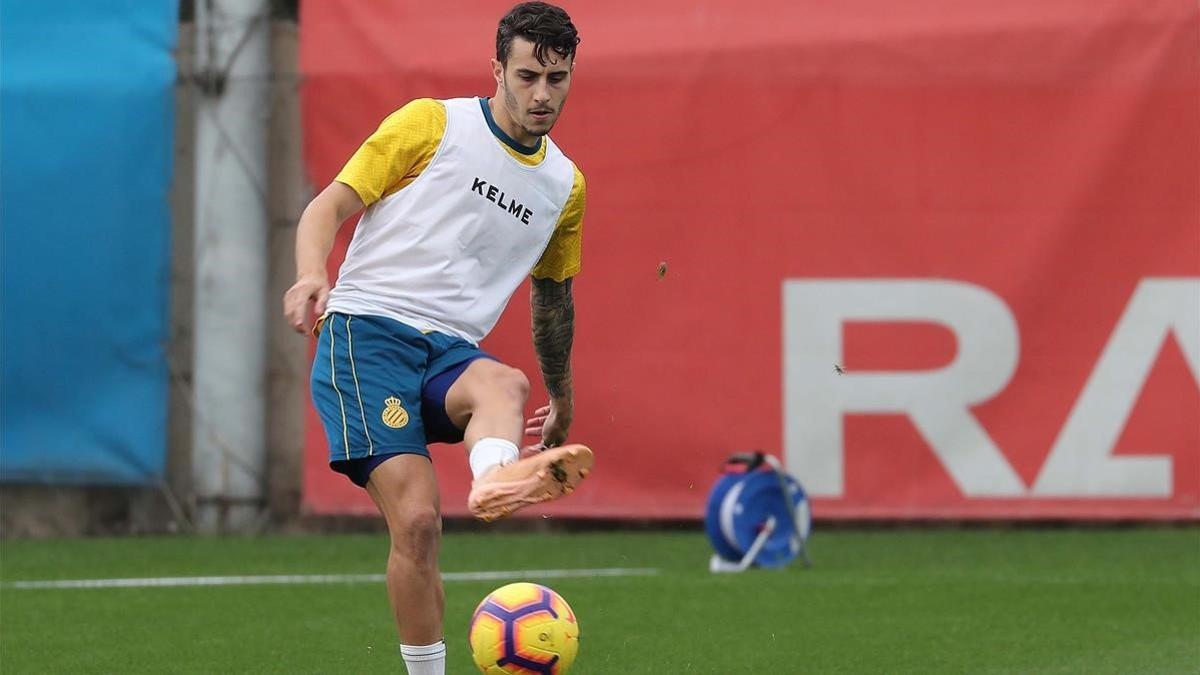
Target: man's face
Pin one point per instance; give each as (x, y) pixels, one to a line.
(534, 94)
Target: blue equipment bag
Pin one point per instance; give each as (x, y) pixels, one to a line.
(750, 521)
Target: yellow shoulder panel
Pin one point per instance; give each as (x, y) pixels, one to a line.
(562, 258)
(397, 152)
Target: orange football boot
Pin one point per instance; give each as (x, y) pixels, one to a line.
(549, 474)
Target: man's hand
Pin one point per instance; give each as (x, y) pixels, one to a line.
(551, 423)
(311, 290)
(314, 237)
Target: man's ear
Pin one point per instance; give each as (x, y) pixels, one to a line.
(498, 72)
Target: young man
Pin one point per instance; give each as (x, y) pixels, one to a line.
(463, 198)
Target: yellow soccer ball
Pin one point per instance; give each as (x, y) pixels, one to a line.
(524, 629)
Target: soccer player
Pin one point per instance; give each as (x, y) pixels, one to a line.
(464, 198)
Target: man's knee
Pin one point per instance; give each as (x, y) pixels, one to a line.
(415, 535)
(487, 385)
(508, 382)
(516, 384)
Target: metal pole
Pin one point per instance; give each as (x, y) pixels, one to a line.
(228, 434)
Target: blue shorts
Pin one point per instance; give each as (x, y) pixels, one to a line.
(380, 387)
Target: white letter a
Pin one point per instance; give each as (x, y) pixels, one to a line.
(1081, 462)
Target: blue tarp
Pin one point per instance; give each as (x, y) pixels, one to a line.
(86, 146)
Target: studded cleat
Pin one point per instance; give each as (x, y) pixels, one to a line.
(533, 479)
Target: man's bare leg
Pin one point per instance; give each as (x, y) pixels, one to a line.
(405, 490)
(487, 401)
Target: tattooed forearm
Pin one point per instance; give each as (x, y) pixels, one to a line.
(553, 332)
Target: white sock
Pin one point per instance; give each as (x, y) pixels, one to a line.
(426, 660)
(492, 452)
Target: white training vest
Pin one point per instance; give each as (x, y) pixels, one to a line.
(447, 251)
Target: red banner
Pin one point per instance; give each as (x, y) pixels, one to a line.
(943, 258)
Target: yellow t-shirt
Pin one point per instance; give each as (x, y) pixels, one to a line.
(405, 143)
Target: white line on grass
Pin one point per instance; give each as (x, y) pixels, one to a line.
(169, 582)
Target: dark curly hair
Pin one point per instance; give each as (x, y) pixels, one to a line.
(549, 28)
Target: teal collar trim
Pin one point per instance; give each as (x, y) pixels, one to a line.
(505, 138)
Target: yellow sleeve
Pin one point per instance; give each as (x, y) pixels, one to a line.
(561, 259)
(397, 152)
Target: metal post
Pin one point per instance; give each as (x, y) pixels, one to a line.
(228, 434)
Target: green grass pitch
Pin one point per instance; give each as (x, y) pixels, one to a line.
(886, 601)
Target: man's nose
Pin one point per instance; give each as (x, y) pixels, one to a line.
(541, 91)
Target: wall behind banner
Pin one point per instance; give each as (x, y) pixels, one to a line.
(86, 148)
(986, 215)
